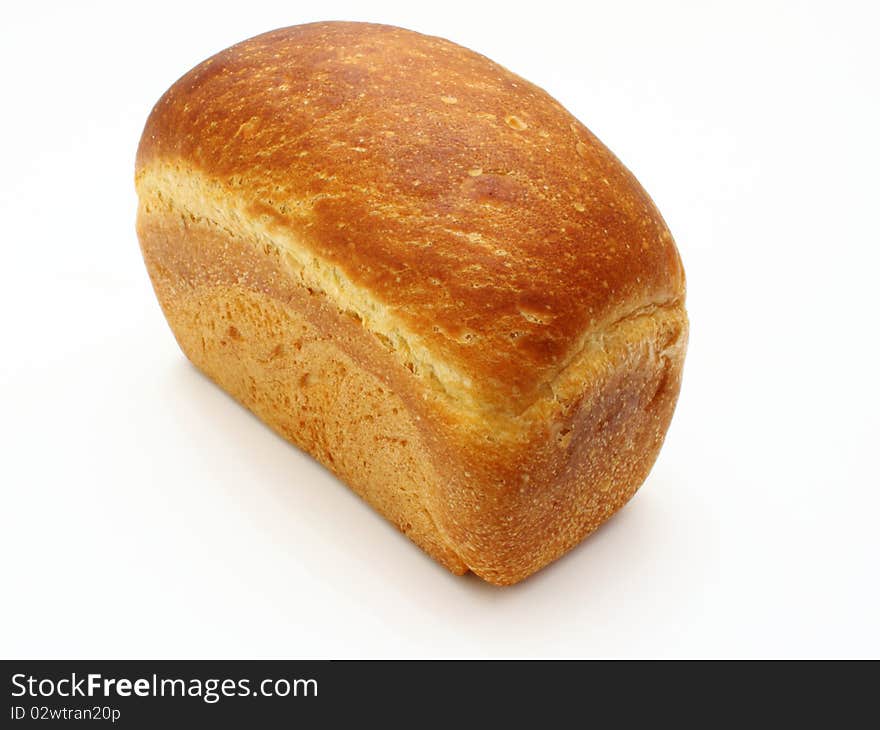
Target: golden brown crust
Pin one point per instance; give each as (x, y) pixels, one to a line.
(492, 223)
(509, 332)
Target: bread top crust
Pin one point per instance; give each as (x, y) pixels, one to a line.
(492, 225)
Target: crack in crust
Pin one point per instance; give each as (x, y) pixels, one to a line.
(192, 195)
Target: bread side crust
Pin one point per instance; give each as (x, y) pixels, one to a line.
(275, 349)
(501, 495)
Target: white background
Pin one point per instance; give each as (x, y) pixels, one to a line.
(145, 514)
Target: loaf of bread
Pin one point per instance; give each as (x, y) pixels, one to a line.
(423, 271)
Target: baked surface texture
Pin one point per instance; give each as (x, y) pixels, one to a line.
(425, 272)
